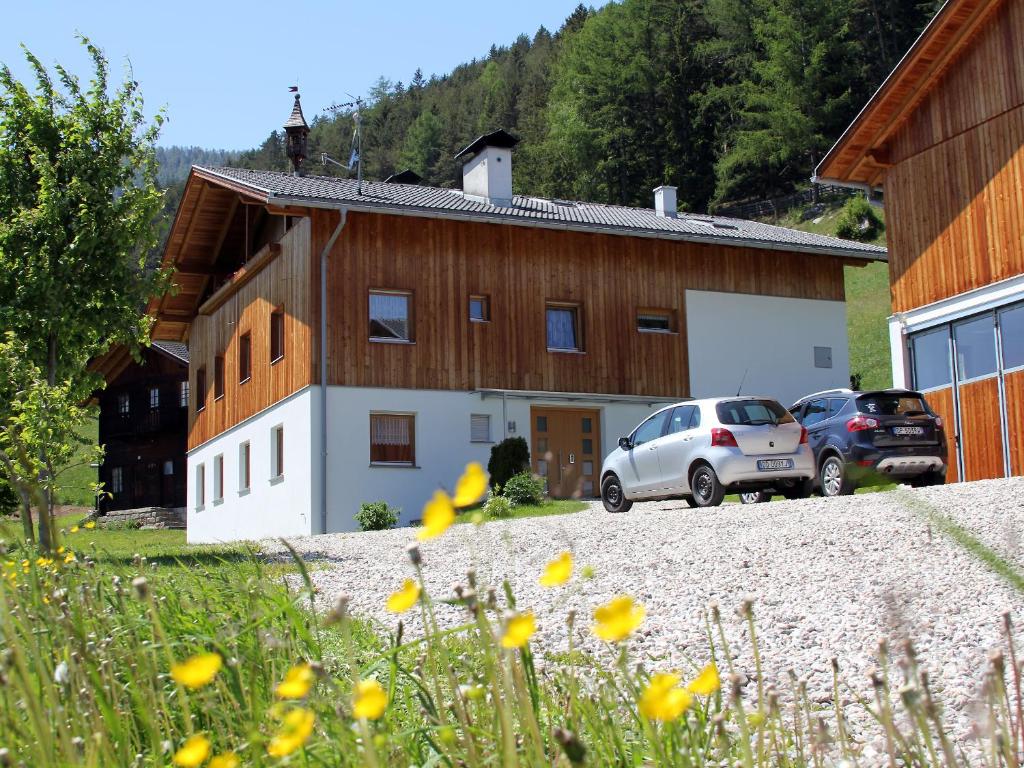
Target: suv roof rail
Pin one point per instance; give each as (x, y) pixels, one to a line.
(836, 391)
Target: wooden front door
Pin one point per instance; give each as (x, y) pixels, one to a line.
(566, 450)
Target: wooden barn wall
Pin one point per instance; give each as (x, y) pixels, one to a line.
(982, 83)
(955, 196)
(285, 283)
(956, 214)
(442, 262)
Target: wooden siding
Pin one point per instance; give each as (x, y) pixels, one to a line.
(956, 214)
(941, 401)
(981, 434)
(285, 282)
(1013, 384)
(443, 262)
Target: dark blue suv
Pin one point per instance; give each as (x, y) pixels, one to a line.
(859, 437)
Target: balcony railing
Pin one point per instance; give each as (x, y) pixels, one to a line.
(146, 422)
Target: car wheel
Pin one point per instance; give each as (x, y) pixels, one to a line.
(755, 497)
(833, 479)
(706, 487)
(797, 489)
(613, 497)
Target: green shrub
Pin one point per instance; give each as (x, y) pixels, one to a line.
(8, 499)
(508, 458)
(377, 516)
(497, 507)
(524, 489)
(858, 220)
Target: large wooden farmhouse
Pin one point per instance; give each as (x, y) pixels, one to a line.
(353, 343)
(944, 138)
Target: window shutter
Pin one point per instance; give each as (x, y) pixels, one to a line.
(480, 428)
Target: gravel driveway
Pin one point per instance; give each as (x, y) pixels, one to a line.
(830, 577)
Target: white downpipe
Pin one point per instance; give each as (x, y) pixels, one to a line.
(323, 366)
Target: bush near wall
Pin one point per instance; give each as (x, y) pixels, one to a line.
(508, 458)
(523, 489)
(377, 516)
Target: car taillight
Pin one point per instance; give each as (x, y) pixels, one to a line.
(723, 438)
(938, 422)
(803, 435)
(861, 423)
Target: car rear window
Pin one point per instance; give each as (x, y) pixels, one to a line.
(752, 412)
(892, 405)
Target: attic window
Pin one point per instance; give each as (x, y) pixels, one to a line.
(710, 223)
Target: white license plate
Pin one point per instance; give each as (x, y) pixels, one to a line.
(767, 465)
(908, 430)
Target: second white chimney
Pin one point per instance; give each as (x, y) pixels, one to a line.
(487, 169)
(665, 201)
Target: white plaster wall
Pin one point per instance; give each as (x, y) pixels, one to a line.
(443, 446)
(770, 338)
(489, 174)
(272, 507)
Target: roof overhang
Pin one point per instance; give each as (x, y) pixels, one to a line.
(860, 157)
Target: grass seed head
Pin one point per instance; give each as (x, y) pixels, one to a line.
(141, 587)
(415, 556)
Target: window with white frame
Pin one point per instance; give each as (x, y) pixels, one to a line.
(393, 438)
(123, 404)
(200, 486)
(244, 471)
(480, 428)
(183, 389)
(390, 316)
(563, 328)
(117, 480)
(277, 452)
(154, 398)
(169, 468)
(218, 477)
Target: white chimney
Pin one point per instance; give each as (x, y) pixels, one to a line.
(665, 201)
(487, 169)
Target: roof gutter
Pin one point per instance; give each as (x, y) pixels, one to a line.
(864, 187)
(324, 254)
(427, 213)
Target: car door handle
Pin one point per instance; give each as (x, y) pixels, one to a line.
(652, 448)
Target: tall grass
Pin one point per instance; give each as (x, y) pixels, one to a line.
(110, 661)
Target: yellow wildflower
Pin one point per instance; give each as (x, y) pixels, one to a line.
(518, 630)
(471, 486)
(438, 515)
(707, 682)
(74, 529)
(193, 752)
(296, 729)
(70, 557)
(405, 598)
(296, 683)
(663, 699)
(617, 619)
(227, 760)
(197, 671)
(60, 550)
(90, 525)
(369, 700)
(558, 571)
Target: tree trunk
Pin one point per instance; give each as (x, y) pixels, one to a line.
(26, 516)
(47, 540)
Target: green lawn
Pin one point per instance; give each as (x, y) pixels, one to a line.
(78, 476)
(545, 509)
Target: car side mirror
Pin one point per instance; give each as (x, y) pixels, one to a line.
(625, 444)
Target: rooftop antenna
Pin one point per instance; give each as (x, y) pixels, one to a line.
(356, 155)
(740, 387)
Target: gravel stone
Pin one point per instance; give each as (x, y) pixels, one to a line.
(830, 577)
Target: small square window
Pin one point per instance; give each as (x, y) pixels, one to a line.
(276, 335)
(823, 357)
(244, 474)
(587, 425)
(479, 309)
(244, 358)
(480, 428)
(183, 392)
(218, 377)
(393, 438)
(588, 467)
(169, 468)
(542, 468)
(656, 321)
(542, 423)
(123, 404)
(588, 446)
(390, 316)
(563, 328)
(542, 445)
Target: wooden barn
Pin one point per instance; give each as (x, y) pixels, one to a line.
(351, 342)
(944, 138)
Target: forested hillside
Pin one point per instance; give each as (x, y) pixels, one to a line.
(727, 99)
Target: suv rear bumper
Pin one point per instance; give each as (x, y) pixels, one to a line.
(909, 461)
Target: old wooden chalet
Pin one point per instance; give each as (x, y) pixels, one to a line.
(944, 138)
(350, 343)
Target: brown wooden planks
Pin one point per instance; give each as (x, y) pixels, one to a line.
(941, 401)
(442, 262)
(981, 433)
(284, 282)
(1014, 387)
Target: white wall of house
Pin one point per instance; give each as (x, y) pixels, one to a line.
(272, 506)
(443, 445)
(767, 342)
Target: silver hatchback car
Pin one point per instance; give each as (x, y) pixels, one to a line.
(700, 450)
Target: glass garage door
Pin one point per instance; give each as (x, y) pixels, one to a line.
(972, 373)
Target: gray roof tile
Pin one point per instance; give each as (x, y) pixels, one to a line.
(526, 210)
(174, 349)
